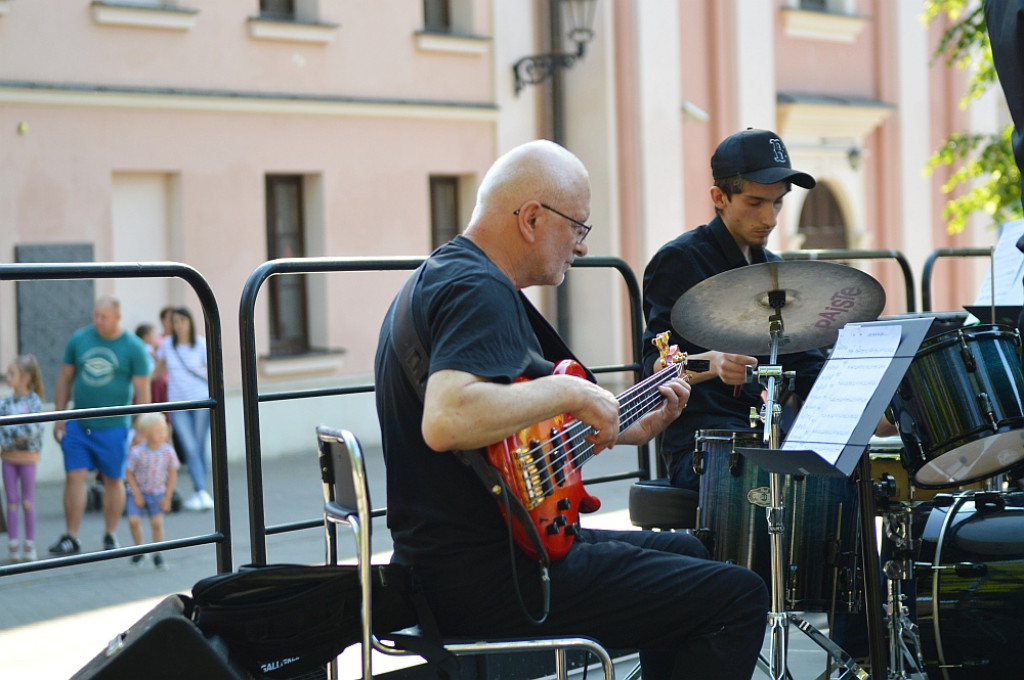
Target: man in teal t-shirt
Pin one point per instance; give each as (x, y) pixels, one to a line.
(103, 366)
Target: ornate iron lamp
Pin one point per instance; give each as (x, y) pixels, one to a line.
(537, 68)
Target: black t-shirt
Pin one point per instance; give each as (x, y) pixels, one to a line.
(678, 266)
(471, 318)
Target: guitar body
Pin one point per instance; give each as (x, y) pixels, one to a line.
(539, 467)
(540, 464)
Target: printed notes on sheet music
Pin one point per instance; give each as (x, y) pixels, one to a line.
(848, 380)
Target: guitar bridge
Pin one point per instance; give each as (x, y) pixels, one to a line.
(534, 473)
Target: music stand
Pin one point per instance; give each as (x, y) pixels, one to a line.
(802, 455)
(1003, 315)
(819, 451)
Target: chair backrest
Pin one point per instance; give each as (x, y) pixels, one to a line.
(344, 473)
(347, 500)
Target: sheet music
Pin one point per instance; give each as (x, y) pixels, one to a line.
(1006, 271)
(859, 360)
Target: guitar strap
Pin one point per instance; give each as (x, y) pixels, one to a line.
(415, 360)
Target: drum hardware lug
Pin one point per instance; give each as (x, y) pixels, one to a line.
(986, 406)
(755, 417)
(988, 501)
(735, 464)
(966, 354)
(698, 462)
(918, 443)
(942, 500)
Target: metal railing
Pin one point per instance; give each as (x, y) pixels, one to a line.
(221, 536)
(252, 398)
(929, 265)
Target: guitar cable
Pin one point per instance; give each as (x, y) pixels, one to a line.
(545, 579)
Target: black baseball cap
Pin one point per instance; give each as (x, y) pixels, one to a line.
(757, 155)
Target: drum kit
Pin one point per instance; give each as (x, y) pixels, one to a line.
(952, 554)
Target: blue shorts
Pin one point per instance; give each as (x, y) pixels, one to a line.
(105, 450)
(152, 504)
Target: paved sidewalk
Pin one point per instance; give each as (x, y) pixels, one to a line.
(53, 622)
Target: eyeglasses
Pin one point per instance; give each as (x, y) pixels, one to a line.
(581, 230)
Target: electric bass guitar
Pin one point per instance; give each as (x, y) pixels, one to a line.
(541, 464)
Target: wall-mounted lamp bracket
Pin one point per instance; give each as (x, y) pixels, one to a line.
(537, 68)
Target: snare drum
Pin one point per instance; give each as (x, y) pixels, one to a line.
(887, 456)
(820, 525)
(960, 407)
(970, 587)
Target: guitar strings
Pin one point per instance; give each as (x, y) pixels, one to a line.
(633, 404)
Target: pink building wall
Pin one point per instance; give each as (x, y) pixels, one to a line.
(373, 109)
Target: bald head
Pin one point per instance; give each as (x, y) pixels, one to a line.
(515, 222)
(540, 170)
(106, 317)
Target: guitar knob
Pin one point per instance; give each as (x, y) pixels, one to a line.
(551, 529)
(564, 504)
(572, 529)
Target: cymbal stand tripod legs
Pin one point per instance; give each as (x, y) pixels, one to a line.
(905, 659)
(778, 617)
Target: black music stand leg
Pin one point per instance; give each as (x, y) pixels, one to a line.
(872, 572)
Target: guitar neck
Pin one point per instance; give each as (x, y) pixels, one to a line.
(634, 404)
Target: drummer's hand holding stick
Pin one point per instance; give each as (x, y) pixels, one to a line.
(730, 368)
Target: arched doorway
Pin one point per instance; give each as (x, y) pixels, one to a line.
(822, 225)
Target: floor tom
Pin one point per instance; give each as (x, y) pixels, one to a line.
(820, 525)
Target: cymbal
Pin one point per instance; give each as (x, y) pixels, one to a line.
(730, 312)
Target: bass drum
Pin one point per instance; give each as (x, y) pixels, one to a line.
(970, 586)
(820, 525)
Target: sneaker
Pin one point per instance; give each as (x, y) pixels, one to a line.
(14, 550)
(206, 499)
(136, 560)
(110, 542)
(28, 553)
(66, 545)
(194, 504)
(159, 563)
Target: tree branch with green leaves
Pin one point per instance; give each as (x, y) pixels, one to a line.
(985, 177)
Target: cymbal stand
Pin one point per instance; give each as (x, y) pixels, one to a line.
(778, 624)
(778, 618)
(905, 658)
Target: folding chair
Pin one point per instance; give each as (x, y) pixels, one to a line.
(347, 501)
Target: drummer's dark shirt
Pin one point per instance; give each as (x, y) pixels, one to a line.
(679, 265)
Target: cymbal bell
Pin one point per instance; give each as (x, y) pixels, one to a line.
(731, 311)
